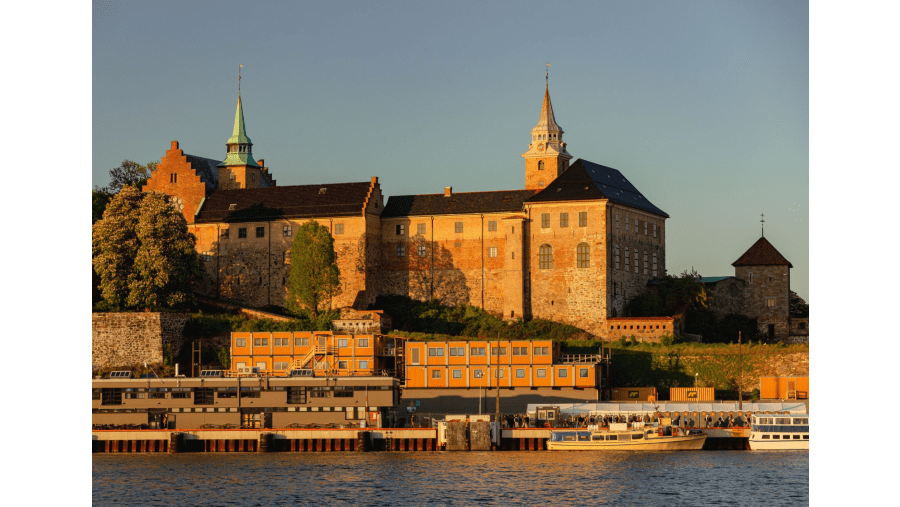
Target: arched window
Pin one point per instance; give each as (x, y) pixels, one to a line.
(545, 257)
(583, 251)
(540, 165)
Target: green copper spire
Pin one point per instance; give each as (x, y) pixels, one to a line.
(239, 145)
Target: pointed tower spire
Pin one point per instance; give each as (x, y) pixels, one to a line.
(240, 151)
(546, 157)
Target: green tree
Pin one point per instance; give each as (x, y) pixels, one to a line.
(99, 200)
(144, 254)
(315, 276)
(131, 173)
(799, 307)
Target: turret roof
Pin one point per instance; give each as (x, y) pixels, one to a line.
(547, 121)
(762, 253)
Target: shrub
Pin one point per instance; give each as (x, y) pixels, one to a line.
(754, 394)
(667, 340)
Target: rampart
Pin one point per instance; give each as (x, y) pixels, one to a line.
(132, 338)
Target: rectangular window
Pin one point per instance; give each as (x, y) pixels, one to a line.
(541, 373)
(261, 365)
(637, 260)
(362, 342)
(492, 225)
(645, 227)
(654, 230)
(401, 229)
(563, 373)
(240, 342)
(617, 256)
(492, 251)
(654, 266)
(457, 373)
(296, 395)
(520, 351)
(414, 355)
(545, 220)
(260, 342)
(342, 343)
(301, 342)
(520, 372)
(286, 230)
(420, 229)
(477, 373)
(260, 232)
(242, 232)
(223, 234)
(617, 220)
(421, 250)
(458, 227)
(181, 393)
(583, 372)
(582, 219)
(495, 351)
(280, 365)
(246, 392)
(338, 228)
(498, 373)
(476, 351)
(626, 223)
(627, 260)
(205, 256)
(111, 396)
(435, 352)
(770, 302)
(563, 219)
(542, 351)
(203, 396)
(457, 351)
(646, 262)
(342, 365)
(435, 373)
(282, 342)
(401, 251)
(363, 365)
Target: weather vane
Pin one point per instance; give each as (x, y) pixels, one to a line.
(762, 221)
(240, 66)
(547, 75)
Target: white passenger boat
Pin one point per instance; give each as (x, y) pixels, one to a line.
(779, 432)
(621, 437)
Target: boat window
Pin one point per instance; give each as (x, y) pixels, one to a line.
(596, 437)
(612, 437)
(805, 437)
(776, 437)
(782, 420)
(786, 437)
(569, 438)
(796, 437)
(637, 436)
(765, 437)
(583, 436)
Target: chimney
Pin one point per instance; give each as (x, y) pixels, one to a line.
(174, 145)
(448, 191)
(262, 162)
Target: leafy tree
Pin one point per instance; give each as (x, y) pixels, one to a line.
(685, 289)
(799, 307)
(315, 276)
(144, 254)
(646, 305)
(131, 173)
(99, 200)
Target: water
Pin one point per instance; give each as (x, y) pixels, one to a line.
(734, 478)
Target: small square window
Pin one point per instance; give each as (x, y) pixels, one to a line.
(563, 373)
(401, 251)
(457, 373)
(492, 225)
(435, 373)
(260, 232)
(492, 251)
(363, 365)
(363, 342)
(338, 228)
(770, 302)
(242, 232)
(420, 228)
(520, 372)
(286, 230)
(401, 229)
(477, 373)
(421, 250)
(458, 227)
(240, 342)
(541, 373)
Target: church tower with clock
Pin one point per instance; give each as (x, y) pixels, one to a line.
(546, 157)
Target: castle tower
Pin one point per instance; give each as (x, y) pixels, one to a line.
(239, 170)
(546, 157)
(768, 290)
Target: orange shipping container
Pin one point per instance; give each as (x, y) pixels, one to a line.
(632, 393)
(784, 388)
(692, 394)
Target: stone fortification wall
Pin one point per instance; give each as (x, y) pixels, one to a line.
(132, 338)
(644, 329)
(767, 297)
(633, 232)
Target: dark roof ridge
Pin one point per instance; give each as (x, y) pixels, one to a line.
(762, 253)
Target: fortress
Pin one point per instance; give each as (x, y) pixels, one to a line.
(574, 245)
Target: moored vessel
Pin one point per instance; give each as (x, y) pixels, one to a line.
(779, 432)
(627, 437)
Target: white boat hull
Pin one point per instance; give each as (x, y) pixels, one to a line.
(779, 445)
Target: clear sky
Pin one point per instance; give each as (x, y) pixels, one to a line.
(702, 105)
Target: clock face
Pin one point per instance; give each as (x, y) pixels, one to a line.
(177, 203)
(540, 147)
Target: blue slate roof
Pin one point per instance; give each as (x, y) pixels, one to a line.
(587, 180)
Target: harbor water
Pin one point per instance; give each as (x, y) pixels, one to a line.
(704, 478)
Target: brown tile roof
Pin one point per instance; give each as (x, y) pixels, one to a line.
(298, 201)
(587, 180)
(501, 201)
(762, 253)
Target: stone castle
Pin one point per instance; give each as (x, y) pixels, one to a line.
(574, 245)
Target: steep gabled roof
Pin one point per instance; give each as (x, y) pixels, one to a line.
(207, 169)
(762, 253)
(587, 180)
(459, 203)
(298, 201)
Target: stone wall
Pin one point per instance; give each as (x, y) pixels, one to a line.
(644, 329)
(767, 284)
(120, 339)
(727, 296)
(631, 231)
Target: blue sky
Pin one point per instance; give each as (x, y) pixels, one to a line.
(702, 105)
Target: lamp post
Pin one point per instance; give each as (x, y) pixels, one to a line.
(696, 379)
